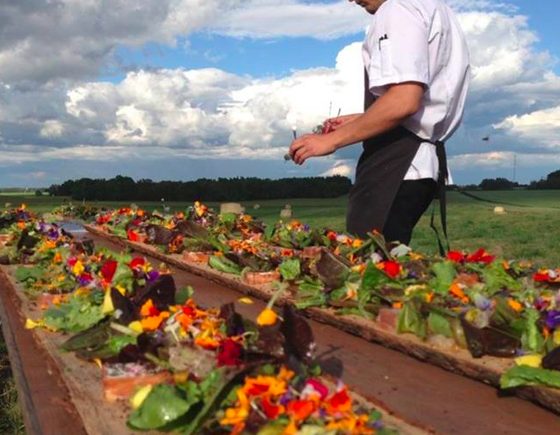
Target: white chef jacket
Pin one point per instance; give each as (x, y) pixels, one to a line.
(421, 41)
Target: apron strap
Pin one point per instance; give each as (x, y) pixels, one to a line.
(440, 192)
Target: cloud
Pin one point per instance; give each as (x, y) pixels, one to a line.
(49, 40)
(344, 168)
(52, 107)
(541, 127)
(292, 18)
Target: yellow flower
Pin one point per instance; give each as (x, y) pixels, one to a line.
(31, 324)
(529, 360)
(245, 300)
(357, 243)
(140, 396)
(267, 317)
(78, 268)
(136, 326)
(107, 306)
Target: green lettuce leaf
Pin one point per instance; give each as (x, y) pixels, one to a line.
(496, 278)
(532, 339)
(222, 264)
(444, 272)
(525, 375)
(290, 269)
(163, 406)
(438, 324)
(411, 320)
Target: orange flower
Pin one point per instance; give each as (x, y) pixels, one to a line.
(301, 409)
(458, 292)
(149, 309)
(267, 317)
(515, 305)
(153, 322)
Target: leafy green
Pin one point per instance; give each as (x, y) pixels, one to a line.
(311, 293)
(438, 324)
(496, 278)
(290, 269)
(163, 405)
(373, 279)
(532, 338)
(444, 275)
(525, 375)
(183, 294)
(411, 320)
(29, 274)
(223, 264)
(78, 314)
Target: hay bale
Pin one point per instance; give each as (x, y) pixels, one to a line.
(286, 213)
(231, 207)
(499, 210)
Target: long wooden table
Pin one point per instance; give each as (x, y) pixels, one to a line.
(61, 394)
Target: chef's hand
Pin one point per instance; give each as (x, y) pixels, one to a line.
(332, 124)
(311, 145)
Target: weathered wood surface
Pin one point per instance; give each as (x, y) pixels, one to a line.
(71, 401)
(486, 369)
(59, 393)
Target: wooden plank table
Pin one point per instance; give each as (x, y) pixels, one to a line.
(61, 394)
(419, 392)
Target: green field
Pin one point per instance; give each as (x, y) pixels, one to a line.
(530, 228)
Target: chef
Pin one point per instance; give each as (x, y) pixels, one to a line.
(416, 78)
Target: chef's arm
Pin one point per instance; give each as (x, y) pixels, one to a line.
(387, 112)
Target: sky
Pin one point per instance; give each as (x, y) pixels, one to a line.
(184, 89)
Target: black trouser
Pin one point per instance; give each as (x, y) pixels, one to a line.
(412, 200)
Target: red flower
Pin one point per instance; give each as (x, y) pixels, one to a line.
(137, 262)
(340, 402)
(541, 277)
(229, 353)
(133, 236)
(392, 268)
(108, 270)
(319, 387)
(456, 256)
(270, 409)
(257, 389)
(103, 219)
(188, 310)
(480, 256)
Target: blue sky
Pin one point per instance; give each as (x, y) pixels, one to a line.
(179, 90)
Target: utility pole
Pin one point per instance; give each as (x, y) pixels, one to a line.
(514, 166)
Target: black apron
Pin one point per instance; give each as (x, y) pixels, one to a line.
(381, 169)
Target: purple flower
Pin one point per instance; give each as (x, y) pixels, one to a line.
(152, 275)
(553, 319)
(481, 302)
(306, 227)
(378, 424)
(286, 398)
(84, 279)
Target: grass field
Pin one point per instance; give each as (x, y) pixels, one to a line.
(530, 228)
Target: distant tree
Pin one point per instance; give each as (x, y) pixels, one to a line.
(497, 184)
(38, 192)
(204, 189)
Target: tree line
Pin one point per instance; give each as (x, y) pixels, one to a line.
(552, 181)
(222, 189)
